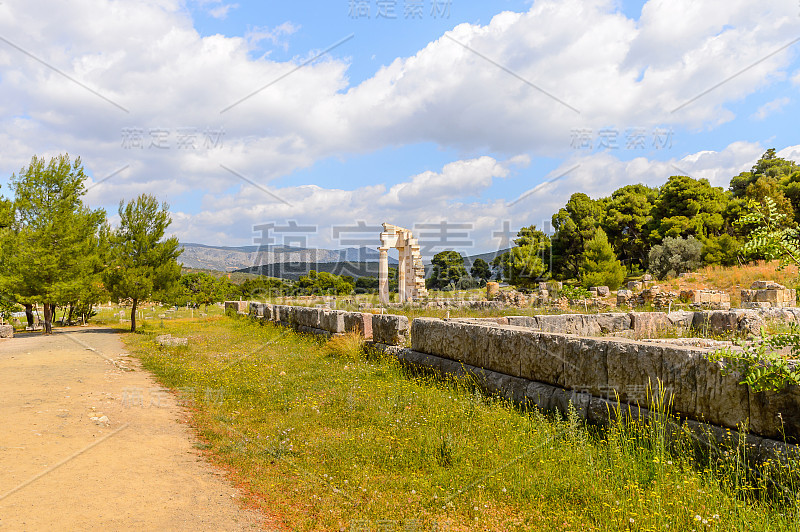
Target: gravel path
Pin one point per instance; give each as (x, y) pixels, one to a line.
(89, 441)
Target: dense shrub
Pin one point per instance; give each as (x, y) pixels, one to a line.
(675, 256)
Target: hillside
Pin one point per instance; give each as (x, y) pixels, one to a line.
(228, 259)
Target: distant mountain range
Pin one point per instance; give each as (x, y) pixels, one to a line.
(291, 262)
(228, 259)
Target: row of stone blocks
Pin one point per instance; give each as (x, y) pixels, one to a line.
(615, 368)
(386, 329)
(643, 324)
(598, 410)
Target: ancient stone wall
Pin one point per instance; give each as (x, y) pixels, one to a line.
(552, 362)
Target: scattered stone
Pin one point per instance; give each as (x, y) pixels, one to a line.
(602, 291)
(170, 341)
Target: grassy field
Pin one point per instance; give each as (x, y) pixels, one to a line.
(325, 437)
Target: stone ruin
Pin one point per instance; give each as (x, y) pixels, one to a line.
(766, 294)
(410, 270)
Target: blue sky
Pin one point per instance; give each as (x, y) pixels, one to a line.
(417, 116)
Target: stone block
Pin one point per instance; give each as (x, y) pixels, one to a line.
(542, 357)
(308, 317)
(721, 400)
(635, 285)
(6, 331)
(360, 323)
(646, 324)
(681, 318)
(390, 329)
(171, 341)
(333, 321)
(611, 322)
(775, 414)
(766, 285)
(633, 368)
(585, 367)
(602, 291)
(523, 321)
(540, 394)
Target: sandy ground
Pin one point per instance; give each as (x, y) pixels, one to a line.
(62, 470)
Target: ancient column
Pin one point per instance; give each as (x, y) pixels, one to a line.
(401, 275)
(383, 276)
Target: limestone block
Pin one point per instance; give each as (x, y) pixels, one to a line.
(679, 376)
(635, 285)
(648, 323)
(766, 285)
(309, 317)
(773, 414)
(236, 307)
(524, 321)
(580, 401)
(632, 367)
(267, 312)
(390, 329)
(333, 321)
(6, 331)
(610, 322)
(602, 291)
(501, 347)
(720, 398)
(681, 318)
(359, 322)
(585, 367)
(510, 388)
(542, 357)
(540, 395)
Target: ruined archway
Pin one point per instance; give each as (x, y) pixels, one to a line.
(410, 270)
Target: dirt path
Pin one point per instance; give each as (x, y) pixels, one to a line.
(62, 470)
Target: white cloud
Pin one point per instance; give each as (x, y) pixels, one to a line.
(148, 58)
(221, 12)
(274, 35)
(770, 108)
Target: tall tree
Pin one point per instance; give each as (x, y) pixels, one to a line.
(628, 212)
(54, 242)
(575, 225)
(480, 270)
(524, 264)
(688, 207)
(448, 268)
(142, 266)
(600, 266)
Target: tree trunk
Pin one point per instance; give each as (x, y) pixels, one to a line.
(133, 315)
(48, 318)
(29, 314)
(69, 316)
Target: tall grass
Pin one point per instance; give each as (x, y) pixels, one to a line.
(327, 437)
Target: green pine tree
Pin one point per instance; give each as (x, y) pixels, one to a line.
(142, 266)
(600, 266)
(51, 252)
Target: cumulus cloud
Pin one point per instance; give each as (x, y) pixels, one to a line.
(519, 84)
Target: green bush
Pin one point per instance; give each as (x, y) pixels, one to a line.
(675, 256)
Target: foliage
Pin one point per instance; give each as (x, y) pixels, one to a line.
(600, 266)
(52, 252)
(142, 266)
(627, 214)
(323, 283)
(523, 265)
(262, 288)
(773, 237)
(448, 268)
(575, 225)
(675, 255)
(723, 250)
(688, 207)
(575, 293)
(480, 270)
(759, 364)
